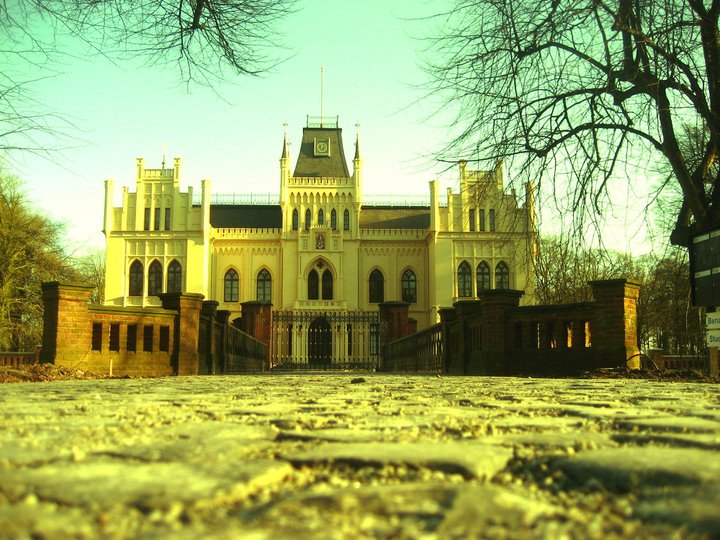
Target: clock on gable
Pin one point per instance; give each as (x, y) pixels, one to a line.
(322, 147)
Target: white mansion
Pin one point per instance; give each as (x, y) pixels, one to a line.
(323, 257)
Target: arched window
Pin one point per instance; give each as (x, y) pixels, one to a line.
(377, 287)
(346, 220)
(502, 276)
(327, 285)
(155, 278)
(409, 286)
(308, 219)
(136, 279)
(464, 277)
(333, 219)
(321, 217)
(232, 282)
(295, 220)
(174, 277)
(482, 276)
(313, 285)
(264, 286)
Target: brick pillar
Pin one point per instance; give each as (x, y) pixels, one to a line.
(613, 331)
(394, 321)
(187, 330)
(257, 321)
(447, 314)
(494, 358)
(67, 330)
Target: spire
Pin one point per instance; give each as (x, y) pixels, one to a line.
(285, 153)
(357, 141)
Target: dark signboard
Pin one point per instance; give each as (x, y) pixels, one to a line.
(705, 268)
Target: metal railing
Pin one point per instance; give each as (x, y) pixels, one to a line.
(422, 352)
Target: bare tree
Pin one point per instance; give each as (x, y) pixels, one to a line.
(91, 269)
(203, 36)
(209, 40)
(563, 270)
(31, 252)
(667, 320)
(577, 88)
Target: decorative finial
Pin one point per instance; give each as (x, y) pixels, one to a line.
(164, 149)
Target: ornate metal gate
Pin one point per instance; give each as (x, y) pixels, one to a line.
(325, 340)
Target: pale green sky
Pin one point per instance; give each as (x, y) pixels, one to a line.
(371, 51)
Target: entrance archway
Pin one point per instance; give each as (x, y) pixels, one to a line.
(319, 342)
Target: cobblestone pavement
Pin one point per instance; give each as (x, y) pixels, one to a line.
(349, 456)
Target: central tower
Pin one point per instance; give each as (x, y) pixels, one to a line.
(321, 202)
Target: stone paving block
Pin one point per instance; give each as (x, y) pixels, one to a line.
(105, 484)
(472, 460)
(682, 440)
(698, 506)
(196, 442)
(627, 468)
(683, 424)
(477, 509)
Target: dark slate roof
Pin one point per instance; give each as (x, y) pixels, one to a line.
(332, 166)
(392, 217)
(246, 216)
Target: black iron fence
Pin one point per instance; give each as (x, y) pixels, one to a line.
(312, 340)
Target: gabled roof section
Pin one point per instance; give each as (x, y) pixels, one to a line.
(392, 217)
(328, 166)
(246, 216)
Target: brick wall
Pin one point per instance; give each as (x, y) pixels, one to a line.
(495, 336)
(119, 340)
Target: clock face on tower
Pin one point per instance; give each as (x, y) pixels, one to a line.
(322, 147)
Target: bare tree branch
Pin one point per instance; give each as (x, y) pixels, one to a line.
(579, 85)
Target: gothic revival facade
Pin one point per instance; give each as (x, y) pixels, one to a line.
(323, 257)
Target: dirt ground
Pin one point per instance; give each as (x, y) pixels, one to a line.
(50, 372)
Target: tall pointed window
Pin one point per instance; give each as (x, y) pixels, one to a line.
(327, 285)
(264, 286)
(174, 277)
(492, 219)
(295, 220)
(346, 220)
(482, 276)
(321, 217)
(308, 219)
(464, 278)
(377, 287)
(136, 279)
(232, 284)
(502, 276)
(409, 286)
(313, 285)
(333, 219)
(471, 219)
(155, 278)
